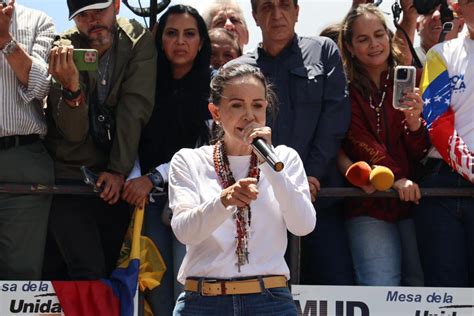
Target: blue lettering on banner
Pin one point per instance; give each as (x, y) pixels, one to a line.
(35, 286)
(342, 308)
(436, 298)
(7, 287)
(396, 297)
(429, 313)
(30, 286)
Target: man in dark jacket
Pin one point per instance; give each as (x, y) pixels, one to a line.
(95, 119)
(313, 116)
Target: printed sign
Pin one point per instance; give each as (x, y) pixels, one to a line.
(386, 301)
(28, 298)
(33, 298)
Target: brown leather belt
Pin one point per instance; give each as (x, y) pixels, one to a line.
(224, 287)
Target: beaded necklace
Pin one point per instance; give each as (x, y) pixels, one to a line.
(378, 108)
(243, 216)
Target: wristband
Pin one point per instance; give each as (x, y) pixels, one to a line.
(9, 48)
(69, 95)
(157, 180)
(72, 98)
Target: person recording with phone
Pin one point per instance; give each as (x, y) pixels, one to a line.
(26, 36)
(381, 231)
(429, 27)
(95, 119)
(232, 209)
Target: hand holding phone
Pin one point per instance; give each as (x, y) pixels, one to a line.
(403, 83)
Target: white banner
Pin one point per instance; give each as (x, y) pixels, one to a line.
(28, 298)
(382, 301)
(33, 298)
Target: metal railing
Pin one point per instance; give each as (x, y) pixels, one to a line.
(20, 188)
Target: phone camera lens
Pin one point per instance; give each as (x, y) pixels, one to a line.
(402, 74)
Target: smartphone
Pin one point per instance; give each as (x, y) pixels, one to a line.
(448, 27)
(90, 178)
(86, 59)
(405, 77)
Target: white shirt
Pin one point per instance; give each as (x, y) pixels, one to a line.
(21, 108)
(201, 221)
(457, 54)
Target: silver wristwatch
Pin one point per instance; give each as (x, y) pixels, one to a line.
(9, 48)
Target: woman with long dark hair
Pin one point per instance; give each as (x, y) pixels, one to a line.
(178, 121)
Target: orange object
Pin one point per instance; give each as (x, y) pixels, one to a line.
(381, 178)
(358, 174)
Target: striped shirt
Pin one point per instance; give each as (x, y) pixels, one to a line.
(21, 108)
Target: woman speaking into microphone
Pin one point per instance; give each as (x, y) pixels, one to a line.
(232, 210)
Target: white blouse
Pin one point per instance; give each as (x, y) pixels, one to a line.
(208, 229)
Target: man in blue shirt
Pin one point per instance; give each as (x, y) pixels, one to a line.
(313, 116)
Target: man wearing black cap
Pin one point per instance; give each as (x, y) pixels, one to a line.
(26, 36)
(95, 119)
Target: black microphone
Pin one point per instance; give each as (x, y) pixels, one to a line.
(266, 151)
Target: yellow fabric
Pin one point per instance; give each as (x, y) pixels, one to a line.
(147, 310)
(152, 266)
(434, 67)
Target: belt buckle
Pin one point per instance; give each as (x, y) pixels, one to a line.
(213, 281)
(202, 282)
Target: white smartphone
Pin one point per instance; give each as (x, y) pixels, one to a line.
(404, 81)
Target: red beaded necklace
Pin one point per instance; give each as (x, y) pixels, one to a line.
(243, 216)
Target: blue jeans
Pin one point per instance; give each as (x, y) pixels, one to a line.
(172, 251)
(445, 230)
(161, 298)
(325, 253)
(384, 253)
(277, 301)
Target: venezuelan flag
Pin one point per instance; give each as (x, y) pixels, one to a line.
(140, 264)
(435, 88)
(436, 92)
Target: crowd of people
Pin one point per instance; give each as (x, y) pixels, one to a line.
(176, 109)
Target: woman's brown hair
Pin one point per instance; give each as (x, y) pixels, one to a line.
(356, 73)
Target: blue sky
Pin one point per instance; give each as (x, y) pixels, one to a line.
(314, 14)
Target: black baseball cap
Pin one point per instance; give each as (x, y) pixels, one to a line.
(78, 6)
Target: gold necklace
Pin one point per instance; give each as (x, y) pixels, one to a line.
(378, 108)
